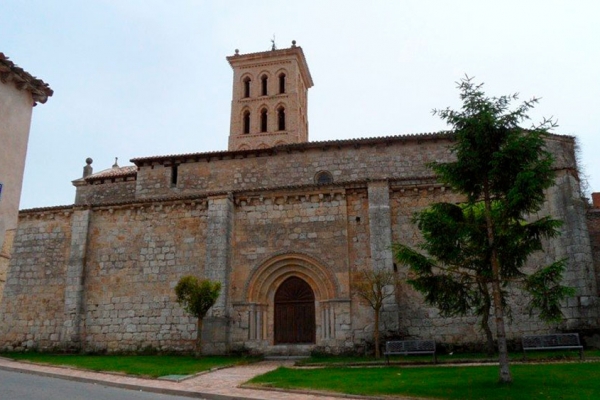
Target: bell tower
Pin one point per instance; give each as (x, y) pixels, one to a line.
(269, 102)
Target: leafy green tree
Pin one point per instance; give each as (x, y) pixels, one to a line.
(197, 297)
(477, 249)
(375, 286)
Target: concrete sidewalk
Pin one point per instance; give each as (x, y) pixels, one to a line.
(218, 385)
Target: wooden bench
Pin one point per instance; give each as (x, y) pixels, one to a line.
(406, 347)
(557, 341)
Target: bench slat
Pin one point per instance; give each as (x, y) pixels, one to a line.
(406, 347)
(557, 341)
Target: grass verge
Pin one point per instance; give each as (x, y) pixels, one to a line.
(149, 366)
(456, 358)
(531, 381)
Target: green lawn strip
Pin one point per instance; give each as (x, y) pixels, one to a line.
(540, 381)
(330, 360)
(152, 366)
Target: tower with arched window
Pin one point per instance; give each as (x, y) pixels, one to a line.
(269, 101)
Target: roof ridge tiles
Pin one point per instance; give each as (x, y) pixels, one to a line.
(297, 145)
(409, 136)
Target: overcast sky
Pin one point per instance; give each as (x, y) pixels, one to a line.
(136, 78)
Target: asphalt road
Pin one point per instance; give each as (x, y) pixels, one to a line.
(21, 386)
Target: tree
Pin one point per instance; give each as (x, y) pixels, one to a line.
(479, 248)
(456, 277)
(374, 287)
(197, 297)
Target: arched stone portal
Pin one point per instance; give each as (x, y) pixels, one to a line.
(274, 286)
(294, 312)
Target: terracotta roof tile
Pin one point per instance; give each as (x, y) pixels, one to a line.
(65, 208)
(115, 172)
(297, 146)
(443, 135)
(10, 72)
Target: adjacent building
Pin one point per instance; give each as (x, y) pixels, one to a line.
(19, 93)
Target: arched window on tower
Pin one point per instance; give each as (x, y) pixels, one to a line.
(263, 120)
(263, 83)
(282, 83)
(247, 87)
(246, 121)
(281, 119)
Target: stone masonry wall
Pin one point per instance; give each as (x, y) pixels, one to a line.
(296, 165)
(359, 255)
(394, 160)
(32, 308)
(312, 223)
(217, 267)
(417, 319)
(381, 243)
(75, 277)
(295, 168)
(104, 274)
(564, 202)
(135, 258)
(275, 224)
(105, 193)
(5, 251)
(593, 223)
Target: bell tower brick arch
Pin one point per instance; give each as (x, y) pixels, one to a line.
(274, 80)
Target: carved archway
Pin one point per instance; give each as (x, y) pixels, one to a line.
(262, 292)
(271, 273)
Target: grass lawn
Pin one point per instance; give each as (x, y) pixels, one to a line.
(329, 360)
(531, 381)
(151, 366)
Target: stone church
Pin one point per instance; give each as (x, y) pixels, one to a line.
(283, 223)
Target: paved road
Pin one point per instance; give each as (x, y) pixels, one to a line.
(215, 385)
(20, 386)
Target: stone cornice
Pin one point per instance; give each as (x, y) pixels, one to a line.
(280, 198)
(329, 190)
(295, 190)
(264, 64)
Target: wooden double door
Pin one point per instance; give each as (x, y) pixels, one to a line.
(294, 312)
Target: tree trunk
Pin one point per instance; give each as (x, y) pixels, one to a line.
(199, 339)
(485, 319)
(376, 333)
(505, 376)
(489, 338)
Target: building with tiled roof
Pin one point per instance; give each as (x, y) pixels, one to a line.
(19, 92)
(286, 225)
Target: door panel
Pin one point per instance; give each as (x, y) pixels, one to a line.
(294, 312)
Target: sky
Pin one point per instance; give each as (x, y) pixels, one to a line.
(136, 78)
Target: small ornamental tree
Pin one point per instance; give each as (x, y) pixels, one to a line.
(375, 286)
(197, 297)
(476, 250)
